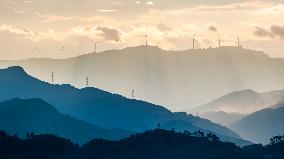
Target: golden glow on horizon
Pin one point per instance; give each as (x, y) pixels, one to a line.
(50, 24)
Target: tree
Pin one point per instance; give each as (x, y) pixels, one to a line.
(187, 132)
(276, 140)
(3, 134)
(15, 136)
(212, 137)
(199, 133)
(28, 135)
(158, 125)
(32, 135)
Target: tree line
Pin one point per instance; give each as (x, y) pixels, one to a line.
(152, 144)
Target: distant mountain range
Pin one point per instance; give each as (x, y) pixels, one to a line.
(98, 107)
(261, 125)
(242, 102)
(18, 116)
(179, 80)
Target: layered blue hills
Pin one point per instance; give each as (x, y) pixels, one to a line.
(22, 116)
(98, 107)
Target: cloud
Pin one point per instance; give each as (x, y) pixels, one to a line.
(260, 32)
(277, 30)
(109, 33)
(150, 3)
(212, 28)
(12, 45)
(15, 29)
(106, 10)
(164, 28)
(243, 6)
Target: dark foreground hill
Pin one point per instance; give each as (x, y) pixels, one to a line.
(154, 144)
(96, 106)
(20, 116)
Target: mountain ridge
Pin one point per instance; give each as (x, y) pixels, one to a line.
(152, 73)
(244, 102)
(98, 107)
(22, 116)
(258, 126)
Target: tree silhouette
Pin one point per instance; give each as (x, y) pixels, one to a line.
(199, 133)
(212, 137)
(171, 145)
(187, 133)
(3, 134)
(158, 125)
(32, 135)
(28, 136)
(276, 140)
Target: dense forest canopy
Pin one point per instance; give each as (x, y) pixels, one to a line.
(154, 144)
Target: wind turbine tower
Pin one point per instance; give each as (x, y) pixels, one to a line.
(87, 81)
(238, 42)
(62, 49)
(146, 40)
(96, 45)
(116, 43)
(193, 42)
(132, 93)
(52, 78)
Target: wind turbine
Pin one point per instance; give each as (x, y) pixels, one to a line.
(116, 43)
(193, 42)
(132, 93)
(238, 42)
(62, 49)
(87, 81)
(219, 42)
(95, 45)
(52, 78)
(146, 40)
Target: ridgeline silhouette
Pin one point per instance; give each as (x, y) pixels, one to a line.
(155, 144)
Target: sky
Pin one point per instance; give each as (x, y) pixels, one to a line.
(67, 28)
